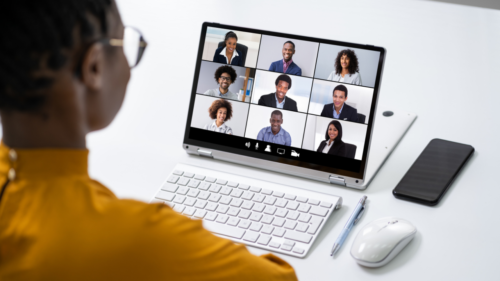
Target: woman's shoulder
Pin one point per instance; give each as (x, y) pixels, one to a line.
(218, 50)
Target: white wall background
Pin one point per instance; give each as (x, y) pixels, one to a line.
(352, 133)
(357, 97)
(215, 35)
(201, 116)
(265, 84)
(293, 123)
(367, 60)
(271, 50)
(206, 80)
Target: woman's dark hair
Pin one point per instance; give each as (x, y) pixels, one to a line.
(337, 125)
(353, 62)
(341, 88)
(230, 34)
(39, 33)
(285, 78)
(225, 69)
(212, 110)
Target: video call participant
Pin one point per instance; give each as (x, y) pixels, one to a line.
(278, 99)
(220, 111)
(228, 54)
(333, 143)
(346, 68)
(286, 65)
(224, 76)
(339, 109)
(274, 133)
(57, 223)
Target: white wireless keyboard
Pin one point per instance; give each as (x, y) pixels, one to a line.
(261, 214)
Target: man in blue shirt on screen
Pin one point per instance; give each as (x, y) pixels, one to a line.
(274, 133)
(286, 65)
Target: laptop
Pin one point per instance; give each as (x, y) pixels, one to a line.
(287, 103)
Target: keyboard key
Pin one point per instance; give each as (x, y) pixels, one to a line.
(267, 219)
(292, 215)
(211, 216)
(255, 216)
(264, 240)
(188, 175)
(222, 209)
(251, 236)
(170, 187)
(199, 177)
(304, 208)
(182, 190)
(189, 211)
(247, 195)
(304, 217)
(313, 202)
(210, 179)
(167, 196)
(214, 197)
(313, 227)
(274, 244)
(267, 229)
(226, 190)
(236, 202)
(244, 214)
(281, 212)
(221, 182)
(279, 232)
(320, 211)
(244, 224)
(290, 224)
(269, 200)
(173, 179)
(232, 184)
(301, 199)
(194, 183)
(183, 181)
(297, 236)
(286, 247)
(243, 186)
(204, 195)
(233, 221)
(281, 203)
(298, 250)
(278, 222)
(189, 202)
(325, 204)
(178, 172)
(179, 208)
(258, 208)
(255, 189)
(225, 200)
(233, 211)
(222, 218)
(211, 206)
(292, 205)
(236, 193)
(255, 226)
(200, 214)
(204, 186)
(267, 191)
(193, 192)
(290, 196)
(247, 205)
(179, 199)
(258, 198)
(215, 188)
(302, 227)
(200, 204)
(270, 210)
(224, 229)
(278, 194)
(289, 243)
(315, 220)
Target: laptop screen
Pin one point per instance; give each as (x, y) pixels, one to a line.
(286, 98)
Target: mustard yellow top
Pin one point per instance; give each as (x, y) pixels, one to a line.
(58, 224)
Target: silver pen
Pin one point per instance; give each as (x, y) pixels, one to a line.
(353, 219)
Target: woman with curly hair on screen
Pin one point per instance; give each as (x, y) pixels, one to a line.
(220, 111)
(346, 68)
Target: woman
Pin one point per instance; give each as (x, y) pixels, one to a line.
(221, 111)
(228, 53)
(346, 68)
(333, 143)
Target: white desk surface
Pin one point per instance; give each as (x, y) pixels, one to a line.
(443, 62)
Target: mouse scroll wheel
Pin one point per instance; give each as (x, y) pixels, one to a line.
(393, 222)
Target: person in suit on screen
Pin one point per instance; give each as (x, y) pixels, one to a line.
(228, 53)
(338, 109)
(224, 76)
(286, 65)
(278, 99)
(333, 143)
(346, 68)
(220, 111)
(275, 133)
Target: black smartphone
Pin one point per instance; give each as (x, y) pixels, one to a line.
(433, 172)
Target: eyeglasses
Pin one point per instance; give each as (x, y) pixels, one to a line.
(228, 79)
(133, 44)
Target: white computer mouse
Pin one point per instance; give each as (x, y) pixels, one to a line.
(378, 242)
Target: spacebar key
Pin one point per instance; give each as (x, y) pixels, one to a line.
(297, 236)
(222, 229)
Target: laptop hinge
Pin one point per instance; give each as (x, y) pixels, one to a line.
(337, 180)
(205, 153)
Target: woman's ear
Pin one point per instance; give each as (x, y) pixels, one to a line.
(93, 67)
